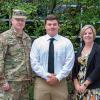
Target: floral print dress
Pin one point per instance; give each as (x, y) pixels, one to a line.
(81, 77)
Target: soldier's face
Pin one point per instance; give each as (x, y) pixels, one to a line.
(18, 23)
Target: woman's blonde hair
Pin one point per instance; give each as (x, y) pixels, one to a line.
(85, 28)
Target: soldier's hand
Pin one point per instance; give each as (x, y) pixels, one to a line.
(6, 87)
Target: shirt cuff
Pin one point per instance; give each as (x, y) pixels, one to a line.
(47, 74)
(59, 77)
(89, 79)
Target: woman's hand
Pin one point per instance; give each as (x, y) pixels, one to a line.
(85, 85)
(77, 86)
(83, 88)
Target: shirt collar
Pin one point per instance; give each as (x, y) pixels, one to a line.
(56, 37)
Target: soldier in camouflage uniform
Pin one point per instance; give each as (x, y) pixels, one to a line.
(15, 46)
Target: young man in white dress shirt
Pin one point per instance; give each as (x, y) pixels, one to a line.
(51, 85)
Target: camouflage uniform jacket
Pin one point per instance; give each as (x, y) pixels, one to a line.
(14, 56)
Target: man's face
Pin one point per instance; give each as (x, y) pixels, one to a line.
(52, 27)
(18, 23)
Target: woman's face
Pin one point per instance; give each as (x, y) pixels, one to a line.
(88, 36)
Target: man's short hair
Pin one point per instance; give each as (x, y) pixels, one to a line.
(51, 17)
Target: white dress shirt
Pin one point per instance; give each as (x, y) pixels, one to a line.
(63, 56)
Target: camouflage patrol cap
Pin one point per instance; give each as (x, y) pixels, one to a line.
(19, 14)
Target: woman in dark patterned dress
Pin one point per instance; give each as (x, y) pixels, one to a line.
(86, 71)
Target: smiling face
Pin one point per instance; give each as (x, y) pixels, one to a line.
(88, 33)
(88, 36)
(18, 23)
(52, 27)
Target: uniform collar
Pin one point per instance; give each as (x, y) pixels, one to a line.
(19, 35)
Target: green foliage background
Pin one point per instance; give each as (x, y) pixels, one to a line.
(73, 14)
